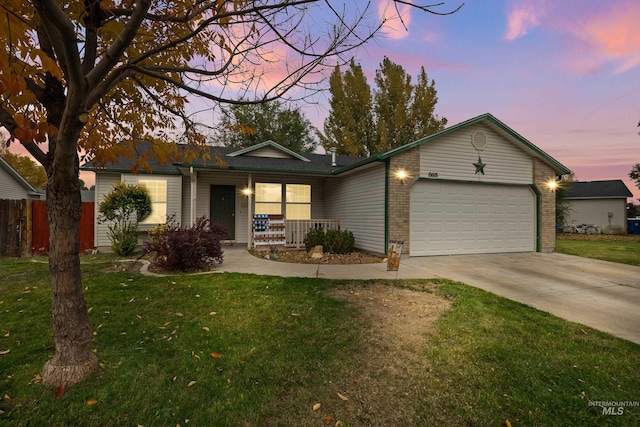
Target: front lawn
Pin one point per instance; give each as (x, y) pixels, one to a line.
(232, 349)
(624, 249)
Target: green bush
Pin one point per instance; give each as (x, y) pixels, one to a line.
(333, 241)
(339, 242)
(124, 239)
(123, 207)
(314, 237)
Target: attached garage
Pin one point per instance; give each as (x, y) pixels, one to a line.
(449, 218)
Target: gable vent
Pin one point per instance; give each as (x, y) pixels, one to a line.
(479, 140)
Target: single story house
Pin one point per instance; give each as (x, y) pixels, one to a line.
(13, 186)
(601, 203)
(476, 187)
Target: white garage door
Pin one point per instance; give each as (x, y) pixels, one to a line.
(464, 218)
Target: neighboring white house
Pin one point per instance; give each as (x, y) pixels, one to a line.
(476, 187)
(601, 203)
(13, 186)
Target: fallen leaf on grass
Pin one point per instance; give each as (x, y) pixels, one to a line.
(328, 420)
(1, 412)
(191, 384)
(343, 397)
(36, 379)
(317, 406)
(205, 328)
(179, 315)
(5, 352)
(216, 355)
(507, 423)
(60, 391)
(92, 402)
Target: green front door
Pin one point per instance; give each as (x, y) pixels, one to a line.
(223, 207)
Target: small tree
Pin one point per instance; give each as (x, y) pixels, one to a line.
(124, 206)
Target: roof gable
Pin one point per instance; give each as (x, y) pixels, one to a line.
(268, 149)
(498, 127)
(612, 189)
(16, 176)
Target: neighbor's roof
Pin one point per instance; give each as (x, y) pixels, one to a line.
(597, 190)
(19, 178)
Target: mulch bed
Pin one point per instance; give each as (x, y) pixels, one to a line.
(302, 257)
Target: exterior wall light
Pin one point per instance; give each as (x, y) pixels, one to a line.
(552, 185)
(401, 175)
(246, 191)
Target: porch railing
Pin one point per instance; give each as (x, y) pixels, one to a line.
(296, 229)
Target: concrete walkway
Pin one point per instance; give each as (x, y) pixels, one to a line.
(599, 294)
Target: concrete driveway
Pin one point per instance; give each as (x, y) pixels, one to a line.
(599, 294)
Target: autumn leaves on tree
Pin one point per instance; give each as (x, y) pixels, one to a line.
(97, 78)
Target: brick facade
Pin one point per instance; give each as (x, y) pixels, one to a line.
(399, 198)
(542, 174)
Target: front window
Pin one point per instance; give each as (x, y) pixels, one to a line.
(158, 192)
(268, 199)
(298, 201)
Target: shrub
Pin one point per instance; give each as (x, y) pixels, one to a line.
(333, 241)
(123, 238)
(123, 207)
(185, 249)
(314, 237)
(339, 241)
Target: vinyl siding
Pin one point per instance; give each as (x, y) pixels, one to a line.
(174, 194)
(9, 188)
(104, 184)
(596, 211)
(451, 157)
(357, 200)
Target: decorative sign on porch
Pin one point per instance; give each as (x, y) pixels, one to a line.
(268, 230)
(394, 254)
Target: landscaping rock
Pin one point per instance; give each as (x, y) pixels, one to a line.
(316, 252)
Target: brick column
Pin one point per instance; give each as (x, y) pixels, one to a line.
(542, 174)
(399, 194)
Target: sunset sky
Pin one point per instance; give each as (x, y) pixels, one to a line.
(565, 74)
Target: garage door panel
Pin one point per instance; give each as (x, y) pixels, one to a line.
(464, 218)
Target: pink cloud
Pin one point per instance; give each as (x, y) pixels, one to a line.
(612, 34)
(594, 36)
(394, 15)
(523, 17)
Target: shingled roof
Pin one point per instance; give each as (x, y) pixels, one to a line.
(613, 189)
(243, 160)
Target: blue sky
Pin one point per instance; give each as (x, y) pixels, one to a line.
(565, 74)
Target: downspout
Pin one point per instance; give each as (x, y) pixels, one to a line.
(194, 188)
(249, 211)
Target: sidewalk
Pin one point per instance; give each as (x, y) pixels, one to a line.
(238, 260)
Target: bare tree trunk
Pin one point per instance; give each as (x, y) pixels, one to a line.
(72, 330)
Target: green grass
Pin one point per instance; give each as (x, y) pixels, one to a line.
(284, 343)
(622, 249)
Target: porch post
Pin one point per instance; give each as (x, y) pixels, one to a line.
(249, 211)
(194, 186)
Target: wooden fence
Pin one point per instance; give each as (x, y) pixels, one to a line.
(24, 229)
(14, 233)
